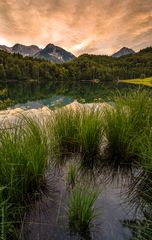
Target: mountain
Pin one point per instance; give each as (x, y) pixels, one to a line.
(25, 50)
(50, 52)
(21, 49)
(54, 54)
(147, 50)
(123, 52)
(85, 67)
(5, 48)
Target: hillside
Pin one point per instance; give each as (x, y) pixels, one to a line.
(85, 67)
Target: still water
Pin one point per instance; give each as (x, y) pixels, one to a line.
(47, 218)
(29, 95)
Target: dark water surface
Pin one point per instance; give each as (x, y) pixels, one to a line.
(48, 220)
(55, 94)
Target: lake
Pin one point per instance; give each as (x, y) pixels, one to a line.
(47, 218)
(29, 95)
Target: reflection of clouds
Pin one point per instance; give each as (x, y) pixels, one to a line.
(57, 101)
(93, 26)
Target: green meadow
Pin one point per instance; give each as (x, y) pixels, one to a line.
(139, 81)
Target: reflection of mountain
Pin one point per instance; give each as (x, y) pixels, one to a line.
(29, 95)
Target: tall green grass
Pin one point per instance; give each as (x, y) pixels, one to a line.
(78, 131)
(124, 124)
(72, 175)
(23, 161)
(81, 211)
(90, 133)
(141, 191)
(125, 131)
(65, 125)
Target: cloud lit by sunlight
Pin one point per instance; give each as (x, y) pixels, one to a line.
(92, 26)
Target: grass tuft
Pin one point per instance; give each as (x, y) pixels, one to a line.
(23, 161)
(90, 135)
(81, 211)
(72, 175)
(124, 124)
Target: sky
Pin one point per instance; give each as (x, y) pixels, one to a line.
(79, 26)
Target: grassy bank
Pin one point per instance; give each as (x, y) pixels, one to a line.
(144, 81)
(23, 161)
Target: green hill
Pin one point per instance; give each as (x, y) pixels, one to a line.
(85, 67)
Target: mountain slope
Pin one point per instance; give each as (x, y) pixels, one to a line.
(25, 50)
(123, 52)
(50, 52)
(5, 48)
(54, 54)
(86, 67)
(21, 49)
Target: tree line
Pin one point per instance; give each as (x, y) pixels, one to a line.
(85, 67)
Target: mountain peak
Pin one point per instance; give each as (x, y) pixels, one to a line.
(123, 52)
(5, 48)
(50, 45)
(25, 50)
(50, 52)
(55, 54)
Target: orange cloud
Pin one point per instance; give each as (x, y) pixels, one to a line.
(93, 26)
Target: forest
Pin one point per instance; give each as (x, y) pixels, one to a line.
(14, 67)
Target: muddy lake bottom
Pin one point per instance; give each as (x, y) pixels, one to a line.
(47, 217)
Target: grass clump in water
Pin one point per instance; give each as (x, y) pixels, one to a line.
(72, 175)
(81, 211)
(141, 191)
(78, 131)
(65, 126)
(90, 135)
(124, 124)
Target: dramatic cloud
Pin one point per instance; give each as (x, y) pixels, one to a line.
(93, 26)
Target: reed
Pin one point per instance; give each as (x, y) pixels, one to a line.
(64, 126)
(72, 175)
(124, 124)
(90, 135)
(23, 161)
(81, 211)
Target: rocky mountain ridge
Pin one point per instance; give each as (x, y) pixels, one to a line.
(123, 52)
(50, 52)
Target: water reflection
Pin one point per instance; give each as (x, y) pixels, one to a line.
(54, 94)
(49, 220)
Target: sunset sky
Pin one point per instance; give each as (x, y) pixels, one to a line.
(90, 26)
